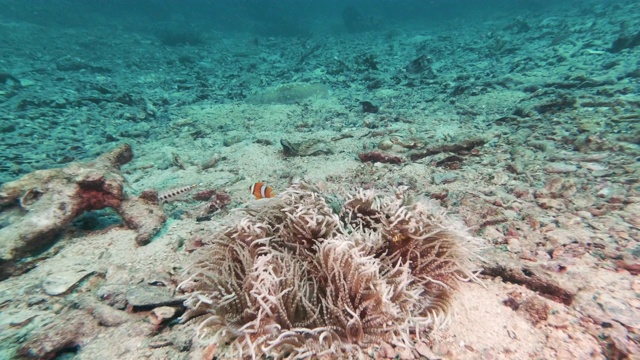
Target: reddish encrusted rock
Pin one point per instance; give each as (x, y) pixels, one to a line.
(219, 201)
(41, 204)
(534, 309)
(204, 195)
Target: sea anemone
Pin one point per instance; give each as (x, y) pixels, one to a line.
(289, 277)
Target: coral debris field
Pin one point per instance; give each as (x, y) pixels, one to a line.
(520, 122)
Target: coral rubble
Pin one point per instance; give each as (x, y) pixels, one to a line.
(39, 205)
(376, 156)
(291, 277)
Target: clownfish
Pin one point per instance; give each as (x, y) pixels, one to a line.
(261, 190)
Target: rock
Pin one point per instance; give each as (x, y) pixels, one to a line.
(425, 351)
(547, 203)
(108, 316)
(513, 245)
(516, 167)
(74, 329)
(564, 354)
(144, 296)
(534, 309)
(584, 214)
(385, 144)
(159, 343)
(444, 178)
(444, 350)
(521, 193)
(605, 192)
(20, 318)
(232, 140)
(113, 295)
(595, 167)
(619, 310)
(47, 201)
(161, 314)
(560, 168)
(312, 147)
(499, 178)
(635, 285)
(404, 353)
(559, 321)
(621, 339)
(386, 351)
(143, 216)
(563, 237)
(62, 282)
(582, 200)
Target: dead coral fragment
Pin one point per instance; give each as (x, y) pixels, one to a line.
(375, 156)
(461, 147)
(289, 277)
(312, 147)
(40, 204)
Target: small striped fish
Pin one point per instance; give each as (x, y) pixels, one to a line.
(169, 195)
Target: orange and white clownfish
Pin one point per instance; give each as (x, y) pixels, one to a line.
(261, 190)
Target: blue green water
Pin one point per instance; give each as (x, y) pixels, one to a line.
(520, 116)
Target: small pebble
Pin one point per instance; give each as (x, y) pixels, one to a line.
(424, 350)
(64, 281)
(584, 214)
(500, 178)
(564, 354)
(560, 168)
(108, 316)
(386, 351)
(605, 192)
(593, 166)
(547, 203)
(57, 307)
(404, 354)
(444, 178)
(513, 245)
(161, 314)
(558, 321)
(385, 144)
(635, 285)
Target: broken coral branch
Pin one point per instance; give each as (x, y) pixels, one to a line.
(456, 148)
(378, 157)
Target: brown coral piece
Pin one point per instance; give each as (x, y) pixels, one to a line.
(379, 157)
(633, 268)
(524, 276)
(534, 309)
(41, 204)
(204, 195)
